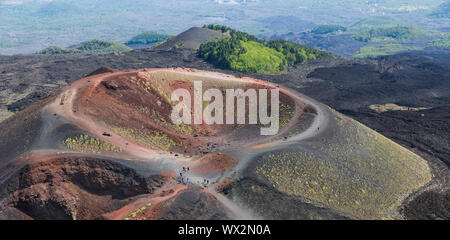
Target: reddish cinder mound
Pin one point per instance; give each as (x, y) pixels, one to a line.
(213, 163)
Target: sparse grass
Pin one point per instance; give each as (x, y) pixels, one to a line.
(356, 171)
(156, 84)
(87, 144)
(153, 139)
(286, 113)
(137, 211)
(161, 121)
(394, 107)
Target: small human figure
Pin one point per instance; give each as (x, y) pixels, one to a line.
(188, 169)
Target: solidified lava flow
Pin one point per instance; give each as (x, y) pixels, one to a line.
(105, 147)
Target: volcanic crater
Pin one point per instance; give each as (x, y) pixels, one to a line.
(105, 147)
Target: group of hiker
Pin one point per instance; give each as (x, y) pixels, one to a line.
(184, 179)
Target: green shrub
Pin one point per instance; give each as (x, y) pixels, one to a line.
(92, 46)
(57, 50)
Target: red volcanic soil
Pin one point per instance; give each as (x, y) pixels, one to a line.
(213, 163)
(151, 212)
(73, 186)
(134, 108)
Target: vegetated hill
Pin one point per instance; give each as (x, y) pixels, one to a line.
(398, 34)
(330, 28)
(92, 46)
(190, 39)
(441, 42)
(148, 38)
(377, 21)
(245, 53)
(443, 11)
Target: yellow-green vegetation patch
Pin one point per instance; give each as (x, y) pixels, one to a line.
(141, 209)
(394, 107)
(259, 58)
(154, 84)
(152, 139)
(87, 144)
(356, 171)
(304, 122)
(286, 113)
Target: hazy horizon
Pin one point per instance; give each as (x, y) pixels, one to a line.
(30, 25)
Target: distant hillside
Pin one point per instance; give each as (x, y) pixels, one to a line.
(287, 24)
(443, 11)
(383, 50)
(148, 38)
(399, 34)
(245, 53)
(92, 46)
(190, 39)
(376, 21)
(325, 29)
(441, 42)
(55, 9)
